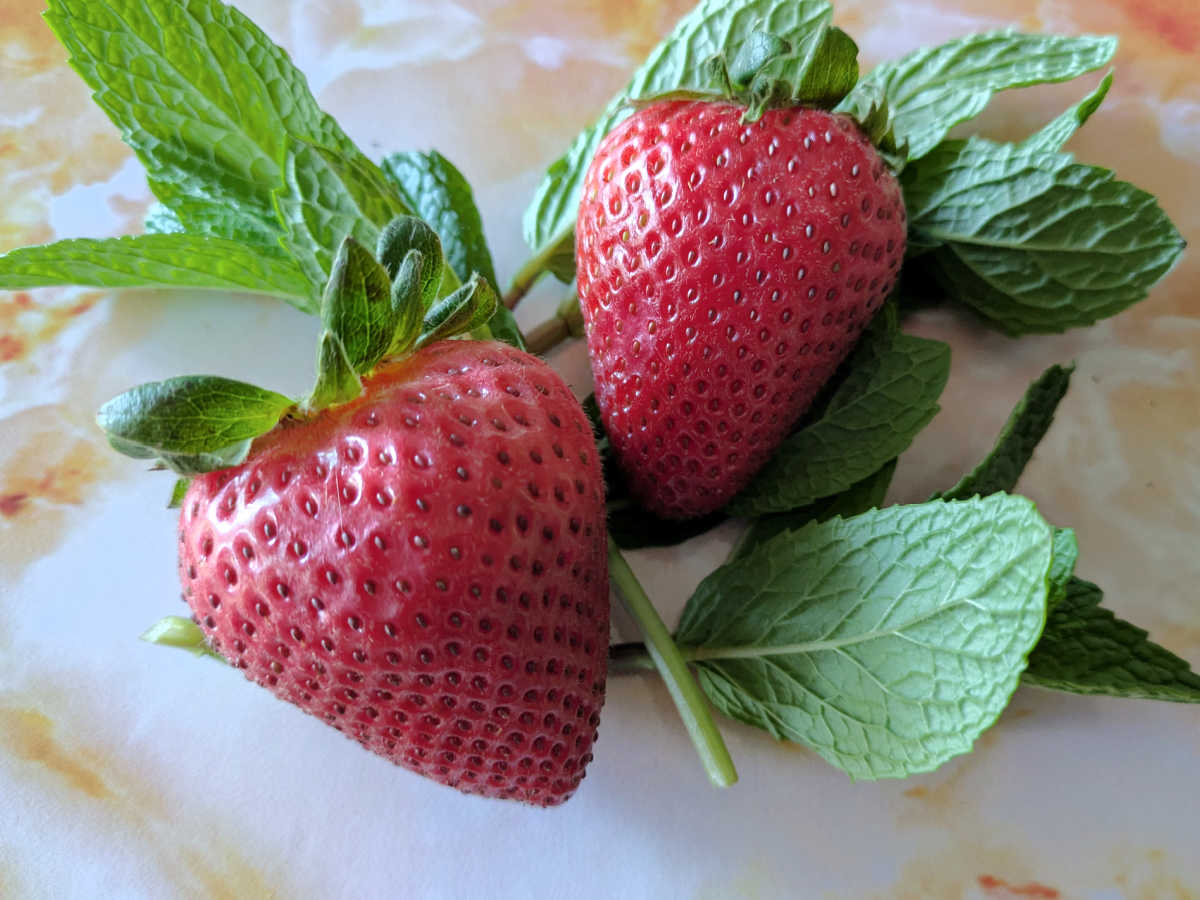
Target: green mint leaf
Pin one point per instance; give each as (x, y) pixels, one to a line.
(1031, 240)
(178, 492)
(857, 438)
(437, 192)
(1065, 554)
(466, 309)
(1055, 134)
(337, 382)
(820, 71)
(357, 307)
(887, 642)
(176, 631)
(205, 99)
(1085, 649)
(406, 233)
(931, 90)
(678, 65)
(193, 423)
(156, 261)
(865, 495)
(1024, 430)
(329, 194)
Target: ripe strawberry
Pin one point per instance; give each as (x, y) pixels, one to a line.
(725, 270)
(423, 567)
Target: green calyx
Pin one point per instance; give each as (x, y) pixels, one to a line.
(374, 308)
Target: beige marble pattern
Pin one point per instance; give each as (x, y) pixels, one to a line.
(128, 771)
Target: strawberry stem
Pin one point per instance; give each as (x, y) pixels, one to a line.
(692, 706)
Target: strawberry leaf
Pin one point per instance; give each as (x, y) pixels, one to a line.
(818, 72)
(1085, 649)
(407, 233)
(466, 309)
(1024, 430)
(357, 306)
(437, 192)
(680, 65)
(408, 307)
(157, 261)
(857, 437)
(205, 99)
(337, 382)
(1031, 240)
(931, 90)
(176, 631)
(865, 495)
(192, 424)
(887, 642)
(178, 492)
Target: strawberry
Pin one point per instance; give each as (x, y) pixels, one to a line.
(423, 568)
(725, 269)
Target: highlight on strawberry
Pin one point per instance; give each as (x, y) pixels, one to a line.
(420, 550)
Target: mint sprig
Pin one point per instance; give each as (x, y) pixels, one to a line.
(887, 642)
(929, 91)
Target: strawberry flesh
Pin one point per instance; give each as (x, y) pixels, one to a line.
(725, 270)
(424, 568)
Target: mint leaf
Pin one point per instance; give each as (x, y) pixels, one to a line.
(357, 307)
(887, 642)
(857, 499)
(1031, 240)
(193, 423)
(1055, 134)
(678, 65)
(931, 90)
(1024, 430)
(337, 382)
(408, 304)
(467, 308)
(855, 439)
(329, 194)
(1065, 554)
(156, 261)
(205, 99)
(437, 192)
(1085, 649)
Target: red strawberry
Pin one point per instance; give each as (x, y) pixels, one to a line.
(424, 568)
(725, 270)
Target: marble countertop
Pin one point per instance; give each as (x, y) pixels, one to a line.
(130, 771)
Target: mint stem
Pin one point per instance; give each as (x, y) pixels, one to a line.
(629, 658)
(533, 269)
(567, 323)
(692, 706)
